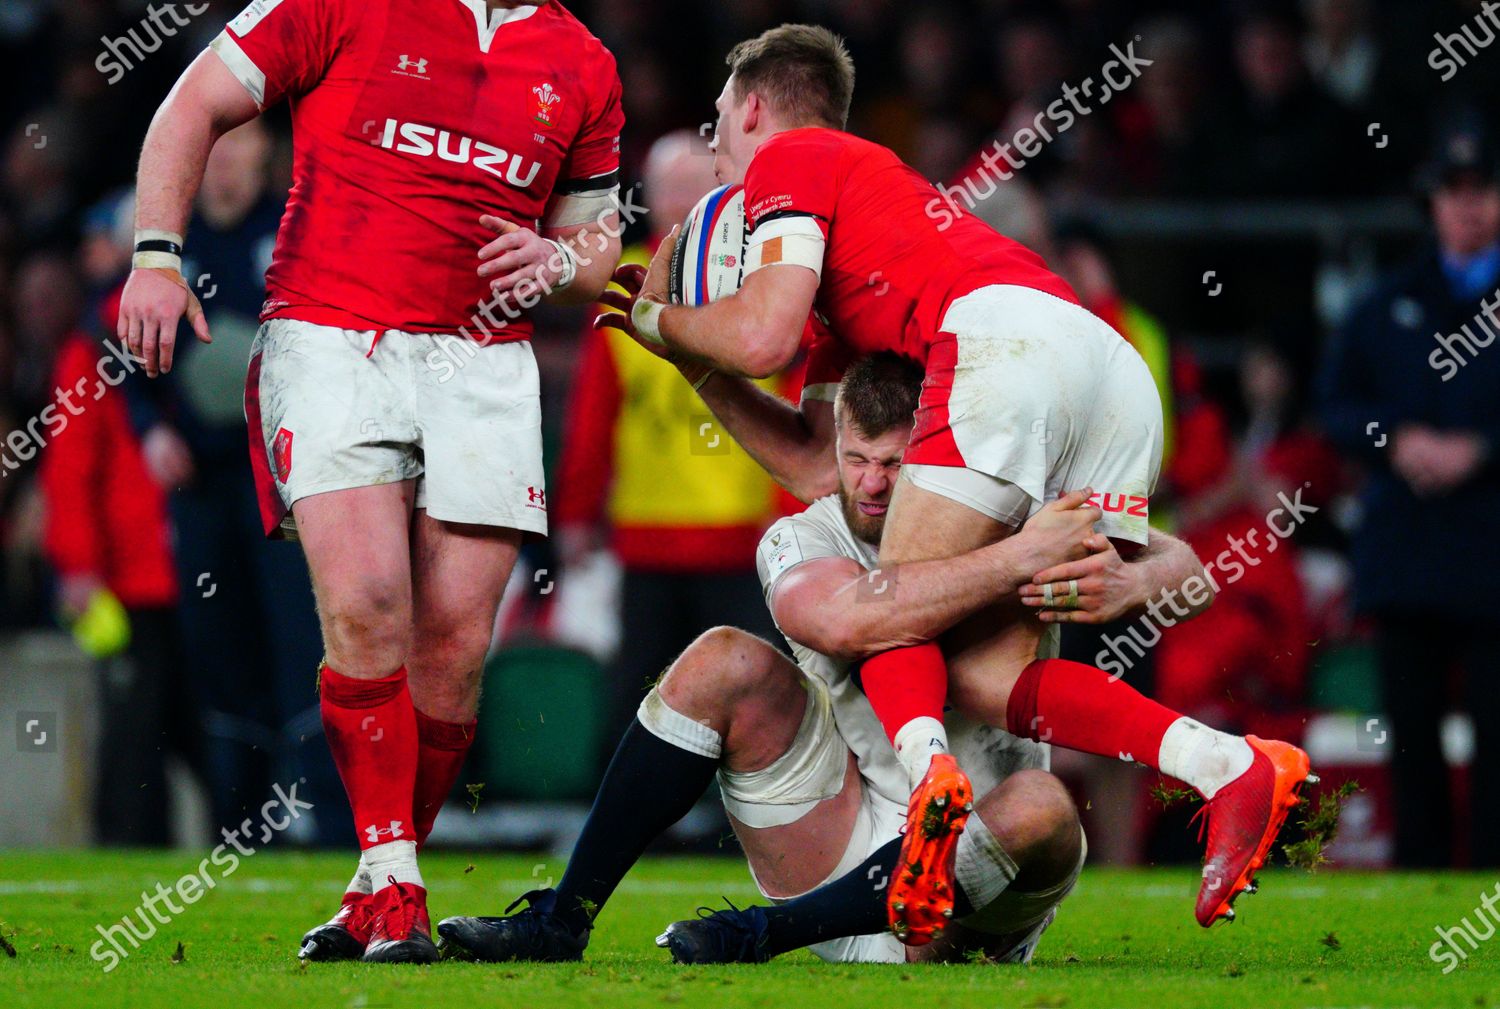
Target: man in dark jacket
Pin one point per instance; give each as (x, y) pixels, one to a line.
(1412, 388)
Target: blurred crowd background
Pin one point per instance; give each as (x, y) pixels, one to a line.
(1282, 212)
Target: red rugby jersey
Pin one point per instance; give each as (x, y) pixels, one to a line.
(897, 253)
(410, 118)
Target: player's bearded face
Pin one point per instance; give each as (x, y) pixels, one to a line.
(868, 468)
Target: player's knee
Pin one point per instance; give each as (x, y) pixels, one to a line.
(718, 670)
(451, 646)
(367, 622)
(1035, 820)
(723, 661)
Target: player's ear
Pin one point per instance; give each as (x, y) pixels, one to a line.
(753, 110)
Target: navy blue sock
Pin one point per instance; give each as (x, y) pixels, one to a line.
(853, 904)
(650, 785)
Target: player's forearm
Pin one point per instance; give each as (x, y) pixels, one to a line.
(775, 434)
(908, 604)
(205, 104)
(737, 335)
(171, 167)
(596, 252)
(1163, 569)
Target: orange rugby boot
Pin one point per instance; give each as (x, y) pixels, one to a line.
(919, 903)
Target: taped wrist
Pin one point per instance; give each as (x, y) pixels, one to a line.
(646, 317)
(567, 261)
(157, 250)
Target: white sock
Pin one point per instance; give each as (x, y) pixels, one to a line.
(1205, 758)
(396, 859)
(362, 881)
(917, 742)
(981, 865)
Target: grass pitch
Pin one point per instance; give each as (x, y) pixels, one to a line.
(1124, 939)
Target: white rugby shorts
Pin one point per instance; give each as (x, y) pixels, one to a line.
(1034, 396)
(332, 409)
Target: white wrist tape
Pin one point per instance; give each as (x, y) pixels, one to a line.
(590, 207)
(567, 265)
(157, 235)
(156, 260)
(646, 316)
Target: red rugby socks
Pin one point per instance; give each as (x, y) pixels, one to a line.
(441, 749)
(1082, 708)
(372, 731)
(907, 688)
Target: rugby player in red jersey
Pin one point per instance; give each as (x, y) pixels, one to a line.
(455, 161)
(1026, 394)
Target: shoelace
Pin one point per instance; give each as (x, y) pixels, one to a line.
(401, 909)
(539, 908)
(741, 931)
(1206, 819)
(534, 899)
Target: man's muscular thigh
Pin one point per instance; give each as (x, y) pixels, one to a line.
(986, 652)
(793, 858)
(358, 553)
(924, 526)
(755, 698)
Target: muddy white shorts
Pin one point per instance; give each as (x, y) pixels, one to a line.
(812, 770)
(1035, 396)
(332, 409)
(1020, 916)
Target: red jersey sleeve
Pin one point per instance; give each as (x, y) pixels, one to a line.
(793, 173)
(593, 162)
(281, 48)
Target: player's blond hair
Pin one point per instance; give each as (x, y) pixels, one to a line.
(804, 72)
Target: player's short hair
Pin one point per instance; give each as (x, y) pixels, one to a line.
(878, 393)
(803, 71)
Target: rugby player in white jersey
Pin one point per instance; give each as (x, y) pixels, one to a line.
(816, 795)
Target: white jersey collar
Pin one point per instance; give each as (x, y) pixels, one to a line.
(488, 22)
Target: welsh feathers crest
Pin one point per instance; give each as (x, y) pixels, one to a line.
(546, 101)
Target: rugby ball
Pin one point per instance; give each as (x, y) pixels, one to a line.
(708, 261)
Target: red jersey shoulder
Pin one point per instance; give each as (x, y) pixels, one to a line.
(599, 69)
(795, 171)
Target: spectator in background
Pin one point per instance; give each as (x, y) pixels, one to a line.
(684, 518)
(107, 539)
(1280, 135)
(249, 623)
(1341, 51)
(46, 310)
(1412, 389)
(1164, 121)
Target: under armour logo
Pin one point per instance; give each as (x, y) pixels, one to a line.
(408, 63)
(373, 833)
(536, 497)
